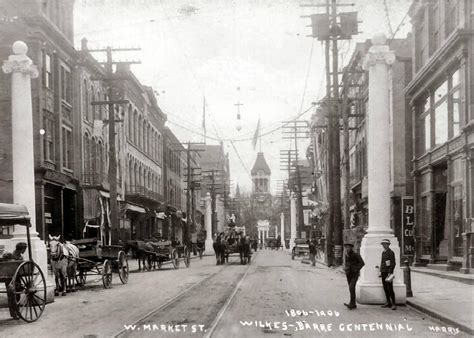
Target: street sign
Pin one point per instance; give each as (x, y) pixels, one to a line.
(408, 226)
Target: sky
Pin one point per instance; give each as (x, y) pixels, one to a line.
(253, 52)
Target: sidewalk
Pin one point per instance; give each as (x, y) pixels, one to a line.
(447, 300)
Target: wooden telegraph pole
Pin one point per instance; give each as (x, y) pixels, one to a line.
(331, 27)
(112, 235)
(295, 130)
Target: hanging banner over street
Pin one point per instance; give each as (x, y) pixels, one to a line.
(408, 225)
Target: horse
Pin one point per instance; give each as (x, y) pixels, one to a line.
(139, 249)
(64, 257)
(219, 246)
(244, 249)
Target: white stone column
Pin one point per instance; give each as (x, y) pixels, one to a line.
(369, 287)
(259, 235)
(282, 230)
(22, 69)
(292, 221)
(208, 220)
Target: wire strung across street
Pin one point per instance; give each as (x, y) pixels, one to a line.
(244, 139)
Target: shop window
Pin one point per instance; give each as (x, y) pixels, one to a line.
(457, 221)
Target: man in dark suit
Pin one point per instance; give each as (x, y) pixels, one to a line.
(352, 266)
(387, 265)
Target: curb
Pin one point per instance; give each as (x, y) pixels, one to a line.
(459, 279)
(439, 316)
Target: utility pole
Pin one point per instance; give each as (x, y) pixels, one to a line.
(189, 189)
(296, 130)
(112, 231)
(328, 28)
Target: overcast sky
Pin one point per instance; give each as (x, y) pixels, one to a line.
(255, 52)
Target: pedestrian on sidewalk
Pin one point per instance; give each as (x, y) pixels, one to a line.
(312, 251)
(353, 265)
(387, 265)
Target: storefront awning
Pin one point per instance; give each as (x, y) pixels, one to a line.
(107, 195)
(135, 208)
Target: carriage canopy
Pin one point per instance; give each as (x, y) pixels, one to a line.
(11, 214)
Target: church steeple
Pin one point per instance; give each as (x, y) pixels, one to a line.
(261, 175)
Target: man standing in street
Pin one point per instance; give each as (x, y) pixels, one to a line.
(386, 270)
(353, 265)
(312, 251)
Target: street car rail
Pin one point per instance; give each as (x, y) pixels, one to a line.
(180, 296)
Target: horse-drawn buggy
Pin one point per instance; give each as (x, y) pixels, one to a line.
(24, 281)
(231, 242)
(155, 253)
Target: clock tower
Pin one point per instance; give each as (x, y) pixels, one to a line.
(261, 197)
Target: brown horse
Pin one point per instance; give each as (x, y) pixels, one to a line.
(139, 251)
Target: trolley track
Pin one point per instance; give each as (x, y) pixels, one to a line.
(203, 303)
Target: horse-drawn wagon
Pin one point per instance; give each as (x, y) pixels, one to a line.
(98, 259)
(24, 281)
(230, 243)
(157, 253)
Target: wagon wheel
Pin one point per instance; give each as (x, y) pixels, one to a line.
(107, 274)
(175, 258)
(29, 291)
(81, 277)
(187, 257)
(123, 267)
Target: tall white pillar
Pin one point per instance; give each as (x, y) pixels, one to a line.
(282, 230)
(208, 220)
(292, 221)
(369, 287)
(22, 69)
(259, 235)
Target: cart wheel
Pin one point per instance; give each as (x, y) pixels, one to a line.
(175, 258)
(123, 267)
(187, 257)
(107, 274)
(29, 291)
(81, 277)
(293, 254)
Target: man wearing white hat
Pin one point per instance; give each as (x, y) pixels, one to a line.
(387, 266)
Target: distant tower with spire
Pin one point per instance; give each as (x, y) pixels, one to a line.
(261, 175)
